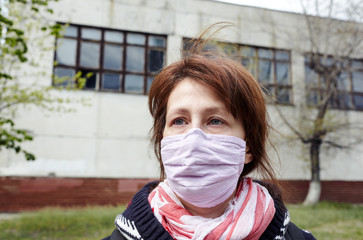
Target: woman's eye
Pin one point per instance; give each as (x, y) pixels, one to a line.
(215, 122)
(179, 121)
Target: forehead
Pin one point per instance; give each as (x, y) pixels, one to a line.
(191, 94)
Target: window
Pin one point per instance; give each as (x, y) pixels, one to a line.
(271, 67)
(119, 61)
(348, 93)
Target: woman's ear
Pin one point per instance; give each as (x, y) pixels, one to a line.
(248, 156)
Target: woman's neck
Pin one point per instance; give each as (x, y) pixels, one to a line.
(212, 212)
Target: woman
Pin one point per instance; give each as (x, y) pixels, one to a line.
(210, 131)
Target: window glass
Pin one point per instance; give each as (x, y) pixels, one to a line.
(111, 81)
(265, 71)
(156, 41)
(90, 33)
(135, 59)
(283, 95)
(247, 51)
(63, 76)
(344, 101)
(282, 55)
(358, 101)
(134, 83)
(311, 78)
(312, 97)
(343, 82)
(90, 54)
(112, 36)
(156, 60)
(112, 58)
(328, 61)
(269, 91)
(66, 51)
(265, 53)
(282, 73)
(357, 64)
(134, 38)
(357, 78)
(149, 82)
(71, 31)
(91, 81)
(250, 65)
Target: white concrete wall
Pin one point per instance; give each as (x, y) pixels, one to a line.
(110, 137)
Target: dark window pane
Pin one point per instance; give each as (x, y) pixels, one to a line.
(311, 78)
(313, 97)
(357, 78)
(250, 65)
(134, 38)
(112, 36)
(357, 64)
(91, 81)
(149, 82)
(66, 51)
(358, 101)
(90, 54)
(156, 60)
(248, 52)
(282, 55)
(156, 41)
(112, 57)
(265, 53)
(135, 59)
(269, 91)
(90, 33)
(283, 95)
(71, 31)
(328, 61)
(265, 71)
(344, 101)
(63, 76)
(282, 73)
(111, 81)
(134, 83)
(343, 82)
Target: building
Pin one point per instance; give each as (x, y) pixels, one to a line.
(100, 154)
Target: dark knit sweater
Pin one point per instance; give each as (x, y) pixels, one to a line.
(138, 222)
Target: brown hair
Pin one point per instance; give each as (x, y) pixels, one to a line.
(238, 89)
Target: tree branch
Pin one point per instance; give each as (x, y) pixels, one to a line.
(291, 127)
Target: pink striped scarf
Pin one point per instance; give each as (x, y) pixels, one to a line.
(246, 217)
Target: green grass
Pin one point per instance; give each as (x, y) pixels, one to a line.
(57, 223)
(331, 221)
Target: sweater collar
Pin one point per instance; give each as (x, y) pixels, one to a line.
(138, 221)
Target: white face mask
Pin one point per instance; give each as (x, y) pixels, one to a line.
(203, 169)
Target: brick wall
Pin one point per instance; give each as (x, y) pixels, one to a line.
(29, 193)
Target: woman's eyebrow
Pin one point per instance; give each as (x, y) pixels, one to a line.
(180, 110)
(217, 109)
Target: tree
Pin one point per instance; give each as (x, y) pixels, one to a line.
(332, 46)
(24, 24)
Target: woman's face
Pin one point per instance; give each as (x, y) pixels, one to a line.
(193, 105)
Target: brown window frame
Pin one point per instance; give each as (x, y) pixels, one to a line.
(123, 71)
(343, 99)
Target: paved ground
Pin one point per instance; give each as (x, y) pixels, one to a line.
(7, 216)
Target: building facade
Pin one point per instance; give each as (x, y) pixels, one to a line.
(103, 148)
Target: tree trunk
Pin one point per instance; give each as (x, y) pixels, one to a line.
(314, 191)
